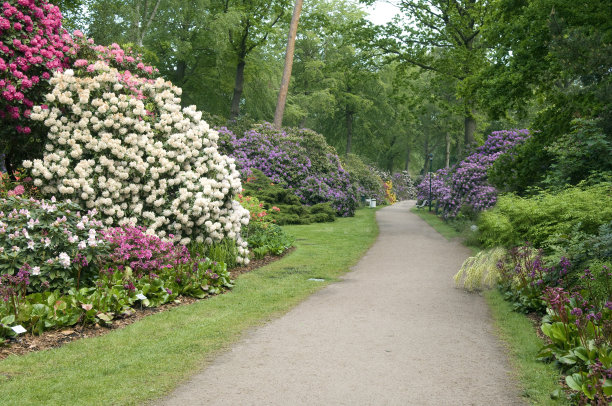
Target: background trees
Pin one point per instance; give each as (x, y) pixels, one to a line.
(432, 81)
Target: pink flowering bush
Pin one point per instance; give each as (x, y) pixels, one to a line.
(143, 253)
(34, 46)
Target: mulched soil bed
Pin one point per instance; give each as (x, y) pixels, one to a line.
(27, 342)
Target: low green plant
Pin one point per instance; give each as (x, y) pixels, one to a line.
(480, 271)
(536, 219)
(580, 336)
(266, 238)
(290, 210)
(116, 291)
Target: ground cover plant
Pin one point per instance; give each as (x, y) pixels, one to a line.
(563, 273)
(59, 267)
(299, 160)
(138, 355)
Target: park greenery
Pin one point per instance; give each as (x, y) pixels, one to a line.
(141, 163)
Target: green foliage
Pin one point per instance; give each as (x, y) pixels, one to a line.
(555, 56)
(267, 238)
(480, 271)
(291, 209)
(584, 150)
(366, 182)
(116, 292)
(536, 219)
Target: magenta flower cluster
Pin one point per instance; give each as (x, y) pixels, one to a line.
(296, 161)
(33, 44)
(465, 185)
(144, 253)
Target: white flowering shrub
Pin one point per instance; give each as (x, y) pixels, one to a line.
(123, 145)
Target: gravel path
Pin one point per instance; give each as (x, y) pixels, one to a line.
(394, 331)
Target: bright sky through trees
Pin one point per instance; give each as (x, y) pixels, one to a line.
(382, 11)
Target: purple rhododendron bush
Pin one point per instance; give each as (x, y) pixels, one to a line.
(465, 185)
(298, 159)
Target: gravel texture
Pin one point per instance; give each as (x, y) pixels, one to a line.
(394, 331)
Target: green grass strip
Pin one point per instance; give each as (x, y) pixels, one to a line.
(436, 222)
(149, 358)
(537, 379)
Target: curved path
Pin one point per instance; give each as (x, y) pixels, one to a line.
(394, 331)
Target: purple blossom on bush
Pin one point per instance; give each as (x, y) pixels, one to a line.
(300, 160)
(465, 184)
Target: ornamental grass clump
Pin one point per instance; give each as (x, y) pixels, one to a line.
(480, 271)
(58, 245)
(123, 145)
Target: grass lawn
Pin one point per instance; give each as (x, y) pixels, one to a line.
(149, 358)
(537, 380)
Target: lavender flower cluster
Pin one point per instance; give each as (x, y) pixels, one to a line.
(465, 185)
(299, 160)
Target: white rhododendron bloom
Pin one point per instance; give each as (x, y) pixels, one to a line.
(124, 146)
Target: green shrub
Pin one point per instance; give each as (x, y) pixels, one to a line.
(292, 211)
(366, 182)
(537, 219)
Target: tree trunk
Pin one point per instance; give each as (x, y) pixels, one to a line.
(470, 129)
(181, 69)
(349, 131)
(426, 152)
(448, 148)
(284, 88)
(407, 165)
(238, 86)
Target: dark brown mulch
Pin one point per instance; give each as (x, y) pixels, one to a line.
(27, 342)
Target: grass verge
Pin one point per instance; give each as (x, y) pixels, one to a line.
(149, 358)
(537, 380)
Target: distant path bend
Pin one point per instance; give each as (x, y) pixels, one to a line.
(394, 331)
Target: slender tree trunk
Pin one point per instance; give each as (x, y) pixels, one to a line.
(238, 86)
(349, 131)
(407, 165)
(470, 129)
(426, 154)
(284, 88)
(448, 148)
(181, 69)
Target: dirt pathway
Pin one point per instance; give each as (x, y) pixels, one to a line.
(394, 331)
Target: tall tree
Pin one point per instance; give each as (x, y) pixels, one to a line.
(254, 21)
(284, 87)
(443, 37)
